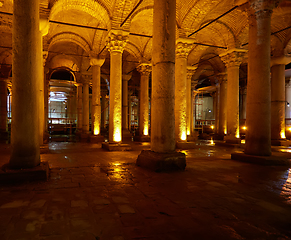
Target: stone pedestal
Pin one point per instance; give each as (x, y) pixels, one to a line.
(96, 138)
(161, 162)
(116, 146)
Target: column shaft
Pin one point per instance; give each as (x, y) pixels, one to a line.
(278, 102)
(86, 107)
(25, 151)
(144, 105)
(125, 104)
(163, 75)
(288, 101)
(3, 107)
(79, 107)
(222, 105)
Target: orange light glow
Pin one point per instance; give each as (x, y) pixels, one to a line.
(243, 141)
(244, 127)
(212, 127)
(146, 130)
(183, 136)
(282, 134)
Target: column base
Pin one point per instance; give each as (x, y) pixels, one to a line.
(232, 140)
(116, 146)
(38, 173)
(84, 137)
(276, 159)
(96, 138)
(126, 135)
(192, 138)
(161, 162)
(280, 142)
(142, 138)
(185, 145)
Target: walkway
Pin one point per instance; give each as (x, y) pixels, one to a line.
(94, 194)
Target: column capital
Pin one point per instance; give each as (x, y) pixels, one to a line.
(44, 55)
(78, 84)
(144, 68)
(96, 61)
(264, 6)
(233, 57)
(282, 60)
(222, 77)
(86, 78)
(190, 71)
(126, 77)
(117, 40)
(183, 47)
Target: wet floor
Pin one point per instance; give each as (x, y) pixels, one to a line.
(96, 194)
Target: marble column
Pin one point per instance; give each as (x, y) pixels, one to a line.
(85, 101)
(258, 122)
(222, 77)
(217, 109)
(25, 152)
(104, 108)
(96, 104)
(288, 100)
(125, 79)
(243, 102)
(3, 110)
(79, 107)
(232, 60)
(116, 44)
(189, 102)
(46, 106)
(145, 70)
(278, 102)
(182, 50)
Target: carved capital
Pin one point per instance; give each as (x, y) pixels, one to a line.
(233, 57)
(44, 55)
(126, 77)
(144, 68)
(183, 49)
(86, 78)
(221, 77)
(117, 41)
(96, 61)
(190, 71)
(263, 7)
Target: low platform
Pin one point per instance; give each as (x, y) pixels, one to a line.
(116, 146)
(96, 139)
(281, 142)
(142, 138)
(38, 173)
(161, 162)
(276, 159)
(185, 145)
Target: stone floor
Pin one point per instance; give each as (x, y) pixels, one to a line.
(94, 194)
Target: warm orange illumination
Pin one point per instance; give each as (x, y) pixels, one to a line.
(117, 135)
(282, 134)
(243, 141)
(212, 127)
(244, 127)
(188, 132)
(96, 129)
(146, 130)
(225, 132)
(289, 129)
(183, 136)
(211, 142)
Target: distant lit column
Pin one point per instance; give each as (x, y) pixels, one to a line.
(278, 102)
(125, 79)
(163, 77)
(79, 106)
(46, 102)
(25, 152)
(144, 70)
(232, 60)
(222, 77)
(217, 109)
(3, 109)
(244, 102)
(96, 104)
(189, 114)
(116, 44)
(182, 51)
(104, 108)
(288, 99)
(258, 122)
(86, 116)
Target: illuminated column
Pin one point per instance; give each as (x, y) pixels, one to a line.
(79, 107)
(163, 77)
(144, 70)
(278, 102)
(232, 60)
(46, 99)
(243, 102)
(258, 122)
(222, 103)
(96, 104)
(116, 44)
(104, 108)
(3, 110)
(125, 79)
(216, 115)
(25, 144)
(182, 50)
(189, 115)
(85, 100)
(288, 99)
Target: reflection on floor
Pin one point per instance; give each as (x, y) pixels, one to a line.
(95, 194)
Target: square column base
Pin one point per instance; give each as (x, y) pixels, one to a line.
(142, 138)
(232, 140)
(96, 139)
(273, 160)
(185, 145)
(161, 162)
(116, 146)
(84, 137)
(280, 142)
(38, 173)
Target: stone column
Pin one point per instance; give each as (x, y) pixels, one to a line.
(144, 70)
(126, 135)
(182, 50)
(258, 122)
(79, 107)
(85, 100)
(116, 44)
(278, 103)
(217, 109)
(25, 145)
(222, 103)
(243, 102)
(162, 155)
(288, 99)
(3, 110)
(104, 107)
(232, 60)
(46, 107)
(189, 115)
(96, 104)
